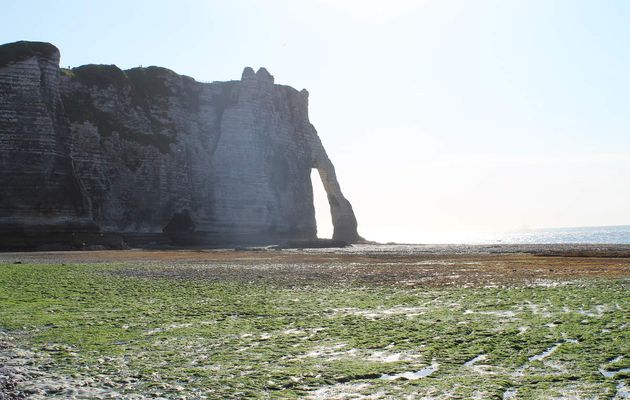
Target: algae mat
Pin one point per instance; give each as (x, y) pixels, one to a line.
(297, 324)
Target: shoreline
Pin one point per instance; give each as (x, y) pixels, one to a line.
(201, 252)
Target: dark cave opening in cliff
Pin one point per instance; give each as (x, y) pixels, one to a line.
(322, 208)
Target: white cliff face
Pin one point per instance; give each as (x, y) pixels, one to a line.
(140, 147)
(263, 160)
(38, 191)
(261, 165)
(221, 161)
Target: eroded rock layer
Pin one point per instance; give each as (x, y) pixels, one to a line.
(146, 151)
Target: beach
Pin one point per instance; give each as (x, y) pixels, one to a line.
(381, 321)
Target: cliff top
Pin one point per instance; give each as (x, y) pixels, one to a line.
(102, 75)
(23, 50)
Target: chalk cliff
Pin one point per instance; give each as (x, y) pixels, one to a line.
(146, 151)
(38, 188)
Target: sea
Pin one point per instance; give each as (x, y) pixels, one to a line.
(619, 234)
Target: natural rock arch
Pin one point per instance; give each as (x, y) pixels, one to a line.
(343, 218)
(125, 152)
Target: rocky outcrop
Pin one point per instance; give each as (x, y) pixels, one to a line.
(146, 151)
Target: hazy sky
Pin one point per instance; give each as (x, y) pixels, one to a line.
(442, 117)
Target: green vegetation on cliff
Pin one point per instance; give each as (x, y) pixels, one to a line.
(148, 91)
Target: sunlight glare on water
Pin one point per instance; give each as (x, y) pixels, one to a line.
(597, 234)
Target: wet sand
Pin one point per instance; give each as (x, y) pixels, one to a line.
(405, 265)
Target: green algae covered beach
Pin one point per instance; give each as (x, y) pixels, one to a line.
(381, 322)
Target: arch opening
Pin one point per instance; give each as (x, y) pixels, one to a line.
(323, 216)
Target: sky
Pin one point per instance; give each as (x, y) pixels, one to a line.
(445, 119)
